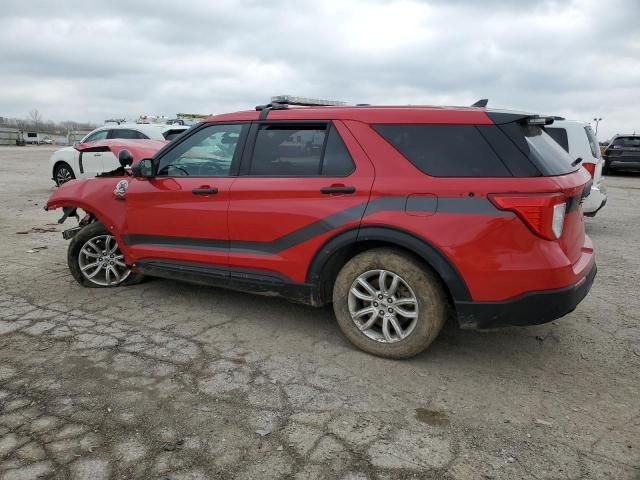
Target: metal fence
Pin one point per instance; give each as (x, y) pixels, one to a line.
(8, 136)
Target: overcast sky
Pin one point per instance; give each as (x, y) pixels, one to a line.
(87, 60)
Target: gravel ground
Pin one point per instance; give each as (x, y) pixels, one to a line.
(168, 380)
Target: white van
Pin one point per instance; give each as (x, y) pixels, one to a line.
(580, 141)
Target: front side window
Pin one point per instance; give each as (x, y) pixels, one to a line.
(95, 136)
(207, 153)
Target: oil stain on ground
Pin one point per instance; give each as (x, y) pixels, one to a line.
(432, 417)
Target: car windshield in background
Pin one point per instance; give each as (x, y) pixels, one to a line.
(626, 142)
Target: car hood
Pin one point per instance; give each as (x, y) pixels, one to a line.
(65, 149)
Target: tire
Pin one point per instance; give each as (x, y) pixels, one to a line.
(78, 260)
(62, 173)
(416, 280)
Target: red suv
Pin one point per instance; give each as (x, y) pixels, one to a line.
(399, 216)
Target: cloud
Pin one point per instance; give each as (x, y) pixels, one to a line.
(96, 60)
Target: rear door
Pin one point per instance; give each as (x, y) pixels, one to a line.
(300, 183)
(180, 215)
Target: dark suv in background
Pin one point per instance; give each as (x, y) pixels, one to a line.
(623, 152)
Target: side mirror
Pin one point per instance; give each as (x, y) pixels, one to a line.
(125, 158)
(143, 169)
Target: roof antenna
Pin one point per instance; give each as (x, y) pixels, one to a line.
(481, 103)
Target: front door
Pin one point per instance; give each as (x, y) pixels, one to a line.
(300, 184)
(90, 163)
(179, 216)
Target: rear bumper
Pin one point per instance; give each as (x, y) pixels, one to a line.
(624, 162)
(531, 308)
(595, 201)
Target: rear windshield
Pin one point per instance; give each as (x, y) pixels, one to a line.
(506, 150)
(627, 142)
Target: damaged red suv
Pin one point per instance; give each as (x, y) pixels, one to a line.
(400, 216)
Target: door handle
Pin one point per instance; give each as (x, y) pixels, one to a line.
(98, 154)
(337, 189)
(204, 191)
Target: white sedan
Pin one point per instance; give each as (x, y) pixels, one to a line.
(68, 163)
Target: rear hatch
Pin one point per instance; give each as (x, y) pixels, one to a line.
(539, 155)
(624, 148)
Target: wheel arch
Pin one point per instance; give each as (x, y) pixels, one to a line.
(340, 248)
(59, 161)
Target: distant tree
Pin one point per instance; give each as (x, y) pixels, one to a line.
(36, 117)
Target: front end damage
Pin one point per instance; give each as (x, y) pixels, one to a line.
(88, 201)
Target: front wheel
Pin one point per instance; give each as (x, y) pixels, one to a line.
(96, 261)
(388, 304)
(63, 173)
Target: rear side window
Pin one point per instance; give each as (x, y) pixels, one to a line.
(293, 150)
(445, 150)
(125, 133)
(560, 136)
(336, 162)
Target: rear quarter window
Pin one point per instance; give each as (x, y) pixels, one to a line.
(445, 150)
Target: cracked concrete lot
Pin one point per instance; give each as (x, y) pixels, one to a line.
(173, 381)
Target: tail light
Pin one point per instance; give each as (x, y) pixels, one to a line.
(543, 213)
(590, 167)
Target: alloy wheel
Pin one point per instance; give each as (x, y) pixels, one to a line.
(383, 306)
(63, 175)
(101, 261)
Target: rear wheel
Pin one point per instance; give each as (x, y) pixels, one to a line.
(63, 173)
(95, 260)
(389, 305)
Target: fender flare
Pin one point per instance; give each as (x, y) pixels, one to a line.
(437, 260)
(99, 215)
